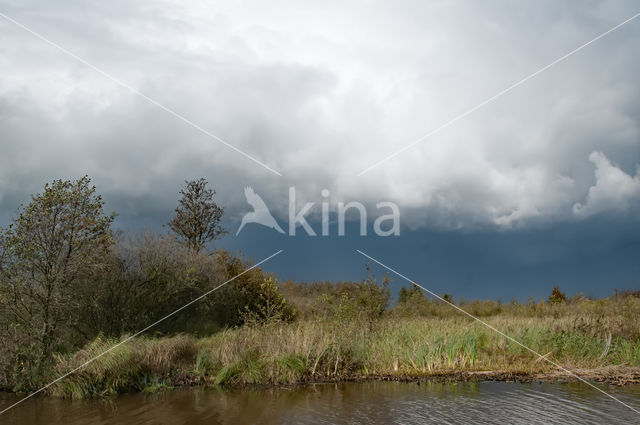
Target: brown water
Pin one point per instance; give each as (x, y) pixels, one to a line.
(371, 402)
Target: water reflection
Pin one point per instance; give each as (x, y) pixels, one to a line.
(372, 402)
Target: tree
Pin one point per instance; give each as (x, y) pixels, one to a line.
(557, 296)
(269, 305)
(403, 296)
(55, 246)
(406, 295)
(198, 217)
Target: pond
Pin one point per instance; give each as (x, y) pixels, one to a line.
(366, 402)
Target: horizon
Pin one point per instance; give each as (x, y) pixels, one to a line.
(494, 276)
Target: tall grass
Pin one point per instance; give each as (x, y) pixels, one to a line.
(324, 349)
(133, 366)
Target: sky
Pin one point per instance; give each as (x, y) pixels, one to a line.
(536, 188)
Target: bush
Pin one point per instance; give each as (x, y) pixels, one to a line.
(151, 276)
(557, 296)
(366, 299)
(268, 306)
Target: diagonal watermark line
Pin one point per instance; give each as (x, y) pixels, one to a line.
(124, 341)
(494, 97)
(540, 356)
(137, 92)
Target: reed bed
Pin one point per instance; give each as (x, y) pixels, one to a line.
(319, 350)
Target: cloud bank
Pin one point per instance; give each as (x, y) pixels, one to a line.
(322, 92)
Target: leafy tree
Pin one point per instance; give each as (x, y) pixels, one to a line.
(448, 298)
(557, 296)
(374, 297)
(406, 295)
(269, 306)
(198, 217)
(252, 296)
(403, 296)
(54, 247)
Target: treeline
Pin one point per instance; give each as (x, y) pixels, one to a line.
(66, 277)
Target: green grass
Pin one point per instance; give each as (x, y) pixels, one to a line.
(313, 350)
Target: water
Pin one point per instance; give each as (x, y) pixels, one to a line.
(372, 402)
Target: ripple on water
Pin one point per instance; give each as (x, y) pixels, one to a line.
(369, 402)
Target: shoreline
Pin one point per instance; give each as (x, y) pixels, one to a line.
(611, 375)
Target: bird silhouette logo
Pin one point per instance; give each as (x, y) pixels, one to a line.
(260, 213)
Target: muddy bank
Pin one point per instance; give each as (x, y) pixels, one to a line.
(614, 375)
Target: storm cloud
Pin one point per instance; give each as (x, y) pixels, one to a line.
(319, 93)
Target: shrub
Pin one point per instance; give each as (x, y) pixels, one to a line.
(557, 296)
(268, 305)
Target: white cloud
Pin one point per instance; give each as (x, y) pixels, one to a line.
(614, 190)
(320, 93)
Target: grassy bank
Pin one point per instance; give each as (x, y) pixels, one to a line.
(329, 349)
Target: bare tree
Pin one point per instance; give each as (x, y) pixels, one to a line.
(198, 217)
